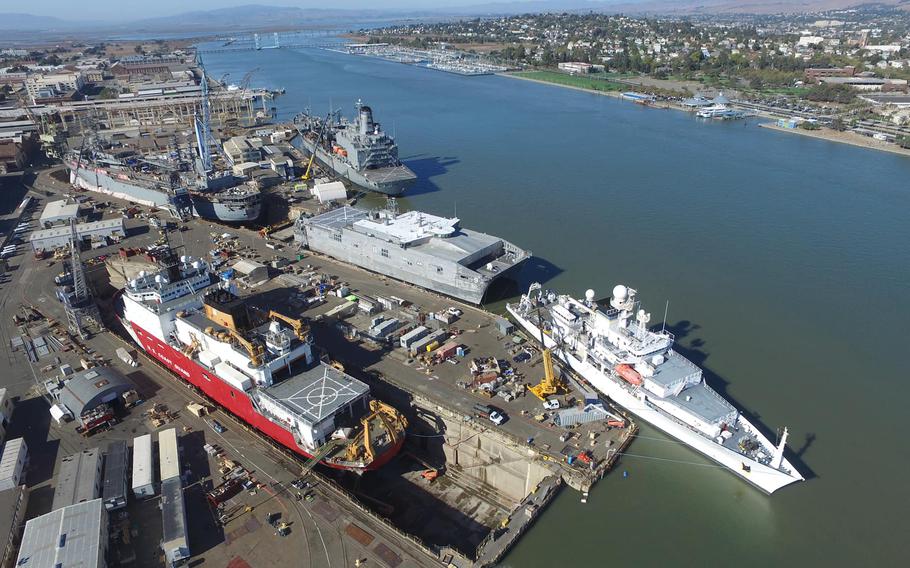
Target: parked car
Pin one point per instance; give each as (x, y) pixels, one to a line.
(551, 404)
(217, 427)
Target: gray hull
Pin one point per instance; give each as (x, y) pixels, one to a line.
(207, 206)
(389, 181)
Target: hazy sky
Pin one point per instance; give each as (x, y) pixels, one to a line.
(137, 9)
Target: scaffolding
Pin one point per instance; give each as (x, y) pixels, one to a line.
(81, 310)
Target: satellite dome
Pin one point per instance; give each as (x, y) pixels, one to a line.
(589, 295)
(620, 292)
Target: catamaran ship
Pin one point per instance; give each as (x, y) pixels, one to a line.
(426, 250)
(614, 350)
(359, 151)
(265, 372)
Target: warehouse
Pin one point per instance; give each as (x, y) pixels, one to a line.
(49, 239)
(59, 212)
(79, 479)
(86, 390)
(250, 271)
(12, 464)
(71, 536)
(115, 474)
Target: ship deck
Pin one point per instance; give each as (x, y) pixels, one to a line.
(317, 393)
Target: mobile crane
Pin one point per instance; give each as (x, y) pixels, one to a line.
(551, 383)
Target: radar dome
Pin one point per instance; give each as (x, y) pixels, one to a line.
(589, 295)
(620, 292)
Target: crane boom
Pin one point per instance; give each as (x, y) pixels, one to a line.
(300, 329)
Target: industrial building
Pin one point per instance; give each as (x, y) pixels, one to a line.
(6, 413)
(49, 239)
(116, 471)
(326, 191)
(174, 541)
(12, 464)
(50, 84)
(79, 479)
(250, 271)
(143, 472)
(12, 515)
(57, 212)
(72, 536)
(86, 390)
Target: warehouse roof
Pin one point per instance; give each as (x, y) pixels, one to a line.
(76, 478)
(86, 390)
(70, 536)
(60, 209)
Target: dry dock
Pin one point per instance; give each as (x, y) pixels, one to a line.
(462, 490)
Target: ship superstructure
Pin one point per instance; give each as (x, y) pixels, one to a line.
(419, 248)
(357, 150)
(262, 367)
(618, 354)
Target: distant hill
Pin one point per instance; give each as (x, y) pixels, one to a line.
(13, 21)
(257, 16)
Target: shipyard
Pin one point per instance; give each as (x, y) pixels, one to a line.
(274, 290)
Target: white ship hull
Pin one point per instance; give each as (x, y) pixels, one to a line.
(758, 474)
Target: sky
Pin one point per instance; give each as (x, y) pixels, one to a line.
(138, 9)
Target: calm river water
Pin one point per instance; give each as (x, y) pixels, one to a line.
(785, 261)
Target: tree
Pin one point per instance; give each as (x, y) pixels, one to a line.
(903, 141)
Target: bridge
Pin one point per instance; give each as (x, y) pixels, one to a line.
(325, 39)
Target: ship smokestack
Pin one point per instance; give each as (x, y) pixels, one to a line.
(366, 120)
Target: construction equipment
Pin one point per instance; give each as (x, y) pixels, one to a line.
(307, 175)
(301, 330)
(551, 383)
(361, 447)
(254, 350)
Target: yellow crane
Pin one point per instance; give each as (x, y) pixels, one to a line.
(309, 166)
(551, 383)
(393, 423)
(254, 350)
(301, 330)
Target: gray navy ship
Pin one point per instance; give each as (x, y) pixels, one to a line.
(169, 185)
(358, 150)
(422, 249)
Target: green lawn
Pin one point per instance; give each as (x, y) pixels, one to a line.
(580, 81)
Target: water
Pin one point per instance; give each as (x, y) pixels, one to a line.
(785, 261)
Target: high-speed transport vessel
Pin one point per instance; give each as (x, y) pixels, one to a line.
(432, 252)
(615, 351)
(260, 366)
(359, 150)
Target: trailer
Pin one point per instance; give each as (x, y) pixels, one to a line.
(143, 473)
(127, 357)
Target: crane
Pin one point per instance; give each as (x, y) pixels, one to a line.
(301, 330)
(393, 423)
(254, 350)
(551, 383)
(307, 174)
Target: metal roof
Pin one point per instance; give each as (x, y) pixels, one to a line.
(317, 393)
(60, 209)
(10, 456)
(86, 390)
(173, 521)
(142, 461)
(168, 455)
(77, 480)
(115, 471)
(70, 536)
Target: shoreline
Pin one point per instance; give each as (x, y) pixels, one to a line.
(850, 138)
(823, 134)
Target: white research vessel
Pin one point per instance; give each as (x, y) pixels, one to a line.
(638, 369)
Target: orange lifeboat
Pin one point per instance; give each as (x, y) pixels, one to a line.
(629, 374)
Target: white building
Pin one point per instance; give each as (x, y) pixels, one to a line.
(58, 82)
(72, 536)
(12, 464)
